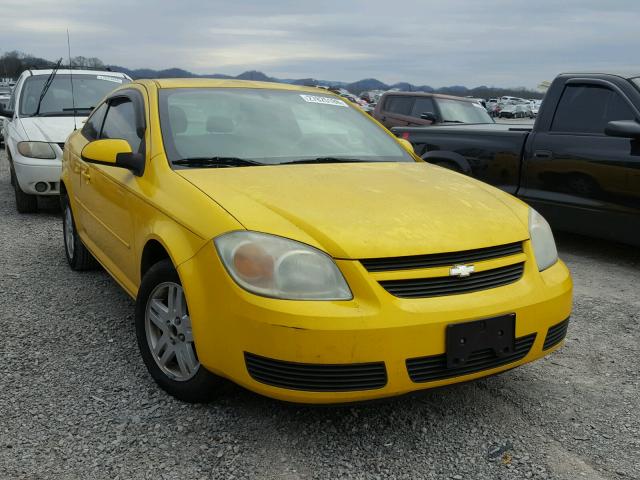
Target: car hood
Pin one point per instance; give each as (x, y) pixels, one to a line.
(367, 210)
(50, 129)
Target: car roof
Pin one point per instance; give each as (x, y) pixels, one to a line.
(626, 75)
(62, 71)
(227, 83)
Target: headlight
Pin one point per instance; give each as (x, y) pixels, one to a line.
(544, 246)
(277, 267)
(36, 150)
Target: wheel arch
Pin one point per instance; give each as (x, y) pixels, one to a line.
(153, 252)
(437, 156)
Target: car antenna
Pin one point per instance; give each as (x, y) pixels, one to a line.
(73, 97)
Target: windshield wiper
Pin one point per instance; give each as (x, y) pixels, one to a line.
(325, 160)
(452, 121)
(75, 109)
(216, 162)
(45, 87)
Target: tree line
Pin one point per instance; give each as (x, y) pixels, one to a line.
(13, 63)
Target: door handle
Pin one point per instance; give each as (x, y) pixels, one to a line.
(86, 175)
(543, 154)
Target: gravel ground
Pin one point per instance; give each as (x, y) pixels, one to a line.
(76, 400)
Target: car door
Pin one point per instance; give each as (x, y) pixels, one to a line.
(105, 191)
(77, 167)
(421, 106)
(396, 111)
(579, 178)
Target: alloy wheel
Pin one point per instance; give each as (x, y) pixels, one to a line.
(168, 332)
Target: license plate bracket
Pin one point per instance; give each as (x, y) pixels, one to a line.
(463, 339)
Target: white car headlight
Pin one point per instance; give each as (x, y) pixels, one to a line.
(36, 150)
(544, 246)
(277, 267)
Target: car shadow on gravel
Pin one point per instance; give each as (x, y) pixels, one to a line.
(596, 249)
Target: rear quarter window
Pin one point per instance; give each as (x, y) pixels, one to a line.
(398, 104)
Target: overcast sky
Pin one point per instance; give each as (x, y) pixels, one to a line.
(437, 43)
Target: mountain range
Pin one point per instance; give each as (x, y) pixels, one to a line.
(354, 87)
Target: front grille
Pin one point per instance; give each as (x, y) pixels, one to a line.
(428, 369)
(555, 334)
(440, 259)
(439, 286)
(316, 377)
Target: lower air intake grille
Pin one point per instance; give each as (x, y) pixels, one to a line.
(556, 334)
(439, 286)
(428, 369)
(316, 377)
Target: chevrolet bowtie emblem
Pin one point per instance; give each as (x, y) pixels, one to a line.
(461, 270)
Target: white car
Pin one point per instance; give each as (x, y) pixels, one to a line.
(520, 110)
(535, 107)
(41, 114)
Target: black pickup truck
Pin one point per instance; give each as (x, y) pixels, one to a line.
(579, 165)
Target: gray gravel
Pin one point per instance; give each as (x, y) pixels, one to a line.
(76, 401)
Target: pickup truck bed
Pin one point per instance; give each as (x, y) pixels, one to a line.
(489, 152)
(579, 165)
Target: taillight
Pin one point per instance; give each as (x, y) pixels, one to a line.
(405, 135)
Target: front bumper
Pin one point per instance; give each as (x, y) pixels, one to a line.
(232, 328)
(31, 171)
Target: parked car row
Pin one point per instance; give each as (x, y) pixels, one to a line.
(279, 237)
(5, 96)
(512, 107)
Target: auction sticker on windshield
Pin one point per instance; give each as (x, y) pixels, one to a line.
(109, 79)
(323, 100)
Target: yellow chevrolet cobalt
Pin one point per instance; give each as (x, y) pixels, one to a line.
(280, 238)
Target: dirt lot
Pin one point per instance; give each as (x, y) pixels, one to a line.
(76, 401)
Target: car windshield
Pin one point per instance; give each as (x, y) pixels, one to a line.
(267, 126)
(459, 111)
(88, 90)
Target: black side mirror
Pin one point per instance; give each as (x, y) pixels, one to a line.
(131, 161)
(429, 116)
(623, 129)
(5, 112)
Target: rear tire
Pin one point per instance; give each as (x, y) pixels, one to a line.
(163, 329)
(78, 257)
(25, 203)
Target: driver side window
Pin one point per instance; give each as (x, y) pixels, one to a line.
(91, 129)
(121, 122)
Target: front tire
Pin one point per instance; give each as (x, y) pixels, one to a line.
(78, 257)
(163, 329)
(25, 203)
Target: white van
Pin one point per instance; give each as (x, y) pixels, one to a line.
(41, 114)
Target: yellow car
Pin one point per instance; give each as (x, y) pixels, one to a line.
(279, 237)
